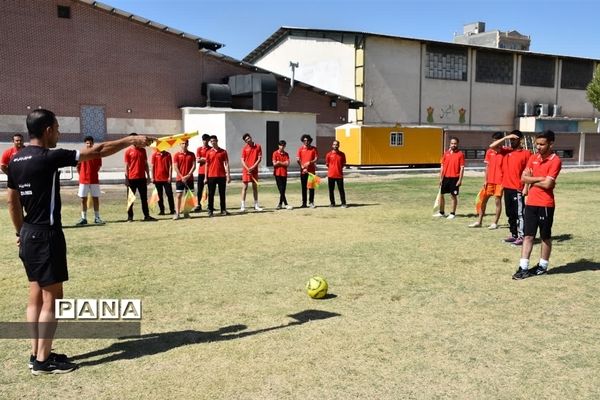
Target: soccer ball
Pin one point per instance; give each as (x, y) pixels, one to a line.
(316, 287)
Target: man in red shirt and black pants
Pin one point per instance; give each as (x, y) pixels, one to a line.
(137, 177)
(281, 162)
(539, 178)
(162, 170)
(9, 153)
(185, 164)
(514, 161)
(217, 173)
(307, 159)
(336, 161)
(451, 175)
(201, 161)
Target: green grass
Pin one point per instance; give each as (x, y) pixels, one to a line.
(420, 308)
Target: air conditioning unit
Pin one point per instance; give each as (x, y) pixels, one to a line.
(525, 109)
(541, 110)
(556, 110)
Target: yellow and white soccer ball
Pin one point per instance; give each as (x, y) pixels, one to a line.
(316, 287)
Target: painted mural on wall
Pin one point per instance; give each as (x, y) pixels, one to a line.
(447, 113)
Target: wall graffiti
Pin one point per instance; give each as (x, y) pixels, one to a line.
(446, 114)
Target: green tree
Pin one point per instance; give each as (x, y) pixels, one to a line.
(593, 90)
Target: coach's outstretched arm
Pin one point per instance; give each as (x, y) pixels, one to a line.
(109, 148)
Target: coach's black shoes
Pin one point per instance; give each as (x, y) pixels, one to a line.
(52, 366)
(521, 274)
(537, 271)
(54, 356)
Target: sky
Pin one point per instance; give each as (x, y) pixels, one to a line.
(555, 27)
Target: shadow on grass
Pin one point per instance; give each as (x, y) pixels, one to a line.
(574, 267)
(555, 239)
(154, 343)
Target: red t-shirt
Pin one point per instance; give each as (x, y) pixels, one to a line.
(201, 152)
(251, 153)
(280, 170)
(514, 162)
(548, 167)
(185, 163)
(335, 160)
(452, 162)
(137, 160)
(88, 171)
(214, 163)
(493, 159)
(7, 155)
(161, 166)
(306, 154)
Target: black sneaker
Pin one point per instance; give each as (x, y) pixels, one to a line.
(149, 218)
(224, 213)
(303, 206)
(51, 366)
(521, 274)
(161, 213)
(197, 209)
(81, 222)
(54, 356)
(537, 270)
(210, 214)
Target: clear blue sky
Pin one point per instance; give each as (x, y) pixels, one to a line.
(567, 27)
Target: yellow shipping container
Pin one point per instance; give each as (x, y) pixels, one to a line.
(373, 145)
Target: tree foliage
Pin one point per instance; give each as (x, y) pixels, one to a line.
(593, 90)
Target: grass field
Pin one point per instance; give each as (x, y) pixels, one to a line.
(420, 308)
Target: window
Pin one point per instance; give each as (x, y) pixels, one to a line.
(63, 11)
(396, 139)
(446, 63)
(474, 154)
(564, 153)
(494, 67)
(576, 74)
(537, 71)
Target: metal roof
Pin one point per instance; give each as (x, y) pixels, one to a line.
(286, 31)
(202, 42)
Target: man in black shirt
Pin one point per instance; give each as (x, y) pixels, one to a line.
(34, 207)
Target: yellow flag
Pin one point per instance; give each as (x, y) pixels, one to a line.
(130, 198)
(166, 142)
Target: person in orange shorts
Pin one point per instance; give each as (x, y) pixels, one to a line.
(492, 184)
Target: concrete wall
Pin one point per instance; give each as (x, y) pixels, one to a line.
(230, 125)
(323, 63)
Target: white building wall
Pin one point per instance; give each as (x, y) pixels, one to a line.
(324, 63)
(230, 125)
(392, 74)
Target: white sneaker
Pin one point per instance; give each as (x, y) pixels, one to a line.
(242, 209)
(176, 216)
(312, 205)
(475, 225)
(438, 215)
(288, 207)
(451, 216)
(258, 208)
(493, 226)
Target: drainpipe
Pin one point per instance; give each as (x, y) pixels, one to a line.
(293, 66)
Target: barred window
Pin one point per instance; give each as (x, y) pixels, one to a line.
(396, 139)
(576, 74)
(537, 71)
(494, 67)
(446, 63)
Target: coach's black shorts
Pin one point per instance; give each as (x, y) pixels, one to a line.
(180, 186)
(43, 251)
(449, 185)
(541, 217)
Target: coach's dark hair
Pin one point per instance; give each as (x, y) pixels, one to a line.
(454, 138)
(548, 135)
(133, 134)
(282, 143)
(498, 135)
(206, 137)
(306, 136)
(214, 137)
(88, 139)
(517, 132)
(38, 121)
(245, 136)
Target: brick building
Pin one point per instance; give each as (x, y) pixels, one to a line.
(107, 73)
